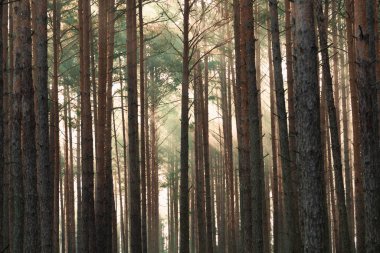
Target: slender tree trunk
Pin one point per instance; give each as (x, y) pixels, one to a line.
(184, 198)
(122, 232)
(312, 200)
(273, 114)
(245, 16)
(45, 175)
(88, 212)
(54, 129)
(110, 209)
(359, 194)
(283, 132)
(334, 130)
(134, 179)
(369, 134)
(256, 170)
(102, 228)
(142, 129)
(23, 67)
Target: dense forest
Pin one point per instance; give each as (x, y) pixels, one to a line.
(192, 126)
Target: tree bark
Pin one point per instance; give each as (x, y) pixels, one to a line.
(369, 134)
(134, 175)
(88, 212)
(184, 187)
(344, 238)
(309, 158)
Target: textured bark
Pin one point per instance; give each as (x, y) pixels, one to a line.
(54, 125)
(142, 129)
(110, 211)
(134, 175)
(184, 187)
(2, 126)
(6, 132)
(122, 232)
(292, 131)
(126, 217)
(243, 124)
(45, 174)
(199, 165)
(23, 69)
(309, 157)
(273, 122)
(88, 212)
(102, 228)
(256, 171)
(358, 182)
(206, 155)
(289, 219)
(79, 178)
(344, 238)
(69, 191)
(369, 134)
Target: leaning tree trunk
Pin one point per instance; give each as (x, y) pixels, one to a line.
(344, 238)
(289, 221)
(309, 157)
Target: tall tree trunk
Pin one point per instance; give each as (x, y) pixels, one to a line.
(23, 67)
(122, 232)
(243, 124)
(273, 113)
(142, 129)
(256, 172)
(289, 221)
(54, 118)
(199, 173)
(359, 194)
(110, 210)
(88, 212)
(6, 131)
(45, 174)
(102, 228)
(369, 134)
(309, 158)
(184, 190)
(134, 179)
(344, 238)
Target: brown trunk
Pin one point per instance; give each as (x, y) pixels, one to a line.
(142, 129)
(68, 184)
(45, 174)
(273, 122)
(88, 212)
(126, 217)
(243, 124)
(344, 238)
(199, 169)
(255, 169)
(358, 182)
(369, 134)
(289, 233)
(101, 217)
(184, 194)
(122, 232)
(23, 67)
(110, 211)
(54, 127)
(134, 175)
(309, 158)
